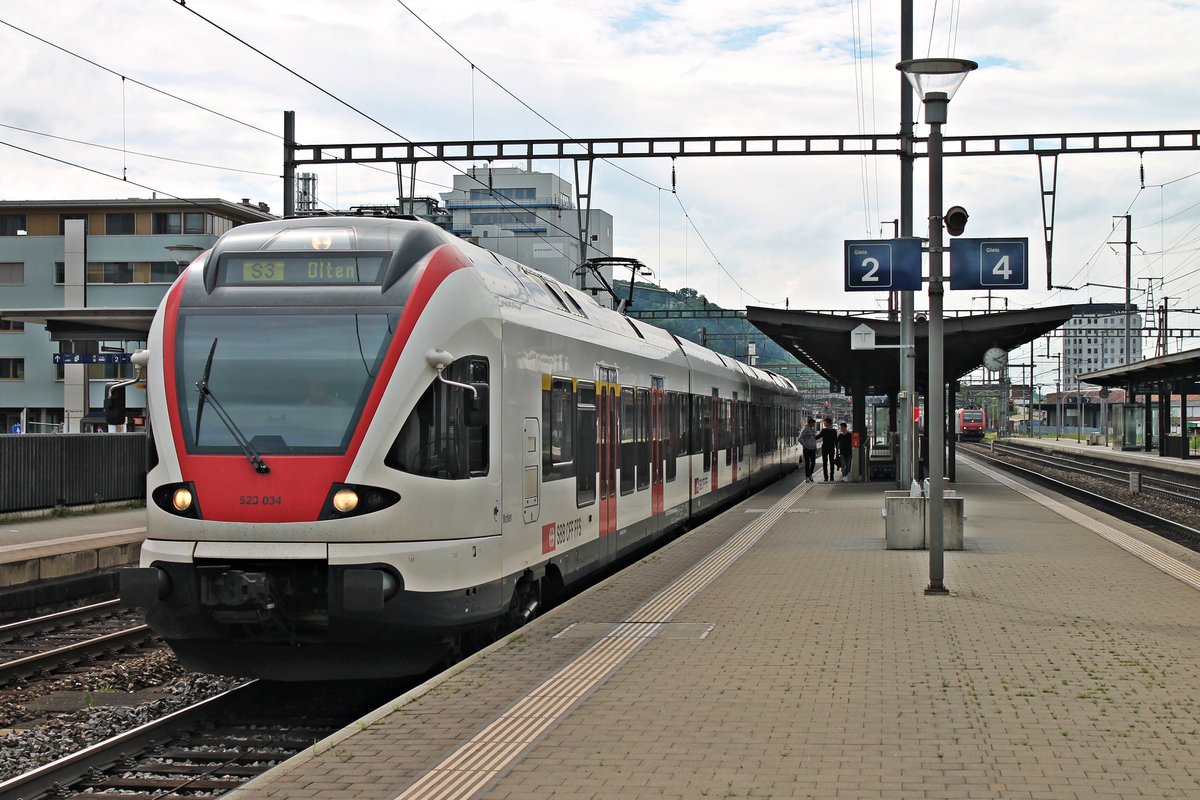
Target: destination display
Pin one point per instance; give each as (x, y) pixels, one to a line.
(274, 269)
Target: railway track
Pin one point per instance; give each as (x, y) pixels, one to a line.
(208, 748)
(1163, 505)
(43, 645)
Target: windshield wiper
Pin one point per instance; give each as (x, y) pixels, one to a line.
(206, 393)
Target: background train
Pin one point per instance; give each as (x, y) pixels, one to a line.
(374, 441)
(970, 424)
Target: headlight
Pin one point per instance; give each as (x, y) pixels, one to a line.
(178, 499)
(181, 499)
(345, 500)
(351, 500)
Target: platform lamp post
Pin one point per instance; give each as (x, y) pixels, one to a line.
(936, 80)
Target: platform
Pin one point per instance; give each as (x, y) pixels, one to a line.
(1133, 459)
(47, 560)
(781, 651)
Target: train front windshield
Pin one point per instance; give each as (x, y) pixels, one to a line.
(288, 383)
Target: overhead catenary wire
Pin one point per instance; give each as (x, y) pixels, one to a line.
(475, 67)
(346, 104)
(150, 87)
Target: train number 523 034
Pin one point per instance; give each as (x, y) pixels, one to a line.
(260, 500)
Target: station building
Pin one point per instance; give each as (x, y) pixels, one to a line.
(109, 261)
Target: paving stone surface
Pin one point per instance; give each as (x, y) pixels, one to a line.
(1060, 666)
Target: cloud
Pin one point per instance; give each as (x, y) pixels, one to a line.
(637, 68)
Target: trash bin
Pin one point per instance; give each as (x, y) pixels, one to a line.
(1093, 438)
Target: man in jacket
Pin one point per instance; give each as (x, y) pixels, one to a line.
(827, 436)
(845, 441)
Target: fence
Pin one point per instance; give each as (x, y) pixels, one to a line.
(48, 470)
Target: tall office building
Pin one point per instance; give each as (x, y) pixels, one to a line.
(1094, 339)
(530, 217)
(106, 264)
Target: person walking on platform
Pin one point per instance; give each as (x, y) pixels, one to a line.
(827, 436)
(808, 449)
(845, 442)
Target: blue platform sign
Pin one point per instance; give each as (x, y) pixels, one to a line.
(91, 358)
(995, 263)
(883, 265)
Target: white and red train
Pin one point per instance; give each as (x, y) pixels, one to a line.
(373, 439)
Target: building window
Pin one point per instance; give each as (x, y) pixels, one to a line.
(12, 224)
(165, 271)
(12, 273)
(524, 193)
(12, 369)
(505, 218)
(176, 223)
(11, 326)
(110, 272)
(119, 224)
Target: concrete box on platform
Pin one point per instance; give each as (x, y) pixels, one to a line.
(904, 521)
(952, 522)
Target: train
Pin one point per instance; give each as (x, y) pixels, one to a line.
(374, 443)
(970, 424)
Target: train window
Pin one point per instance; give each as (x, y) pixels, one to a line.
(575, 305)
(292, 383)
(446, 435)
(557, 297)
(703, 427)
(558, 430)
(628, 440)
(585, 444)
(643, 439)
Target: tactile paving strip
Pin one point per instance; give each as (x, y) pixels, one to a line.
(495, 749)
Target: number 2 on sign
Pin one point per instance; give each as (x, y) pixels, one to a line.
(872, 273)
(1002, 270)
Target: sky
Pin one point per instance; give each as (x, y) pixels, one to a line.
(122, 98)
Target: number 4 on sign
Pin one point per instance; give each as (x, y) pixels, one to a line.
(1002, 270)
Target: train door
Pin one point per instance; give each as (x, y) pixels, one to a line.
(736, 438)
(714, 439)
(657, 442)
(606, 430)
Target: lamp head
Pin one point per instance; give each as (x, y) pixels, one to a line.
(934, 75)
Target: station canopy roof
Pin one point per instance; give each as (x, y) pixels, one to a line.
(821, 341)
(87, 324)
(1184, 366)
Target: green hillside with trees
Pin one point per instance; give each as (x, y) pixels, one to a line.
(725, 333)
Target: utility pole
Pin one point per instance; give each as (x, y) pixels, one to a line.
(1128, 288)
(906, 467)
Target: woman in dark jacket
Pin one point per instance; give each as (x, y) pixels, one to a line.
(808, 448)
